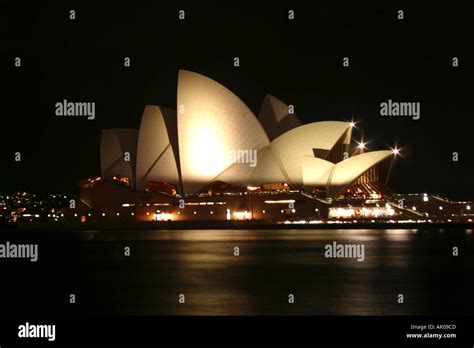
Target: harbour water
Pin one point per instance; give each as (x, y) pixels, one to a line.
(271, 266)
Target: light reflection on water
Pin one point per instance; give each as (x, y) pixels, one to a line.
(271, 265)
(246, 235)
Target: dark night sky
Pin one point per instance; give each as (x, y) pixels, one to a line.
(297, 61)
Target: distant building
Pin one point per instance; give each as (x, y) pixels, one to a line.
(212, 158)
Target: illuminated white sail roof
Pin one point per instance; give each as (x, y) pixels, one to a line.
(290, 148)
(212, 123)
(275, 117)
(265, 170)
(345, 172)
(118, 153)
(316, 171)
(201, 142)
(156, 152)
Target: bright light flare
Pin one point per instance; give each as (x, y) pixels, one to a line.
(397, 151)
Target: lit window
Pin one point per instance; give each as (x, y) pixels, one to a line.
(241, 215)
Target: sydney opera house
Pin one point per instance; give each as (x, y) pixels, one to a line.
(213, 159)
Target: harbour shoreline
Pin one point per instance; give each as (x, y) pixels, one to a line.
(232, 225)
